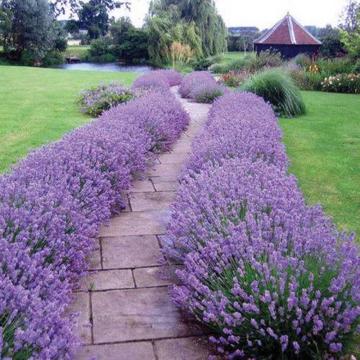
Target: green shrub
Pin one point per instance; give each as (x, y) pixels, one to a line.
(202, 64)
(342, 83)
(302, 60)
(306, 80)
(219, 68)
(101, 50)
(98, 99)
(52, 58)
(356, 68)
(265, 59)
(239, 64)
(234, 78)
(329, 67)
(276, 87)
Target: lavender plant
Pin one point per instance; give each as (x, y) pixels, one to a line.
(239, 125)
(269, 276)
(161, 79)
(207, 92)
(101, 98)
(51, 207)
(194, 79)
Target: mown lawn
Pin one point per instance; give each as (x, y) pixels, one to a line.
(39, 105)
(324, 148)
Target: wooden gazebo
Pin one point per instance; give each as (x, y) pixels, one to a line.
(289, 38)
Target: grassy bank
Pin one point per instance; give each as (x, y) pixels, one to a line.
(39, 105)
(324, 148)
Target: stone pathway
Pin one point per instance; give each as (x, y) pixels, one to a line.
(124, 306)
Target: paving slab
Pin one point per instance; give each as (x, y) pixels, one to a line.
(126, 351)
(107, 280)
(193, 348)
(153, 276)
(161, 185)
(142, 186)
(151, 201)
(94, 260)
(137, 223)
(81, 308)
(173, 158)
(130, 251)
(167, 170)
(125, 309)
(140, 314)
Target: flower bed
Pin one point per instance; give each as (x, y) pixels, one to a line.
(201, 87)
(267, 274)
(342, 83)
(51, 207)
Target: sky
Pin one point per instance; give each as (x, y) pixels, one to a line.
(260, 13)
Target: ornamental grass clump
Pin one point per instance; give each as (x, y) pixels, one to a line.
(277, 88)
(101, 98)
(51, 207)
(240, 125)
(268, 275)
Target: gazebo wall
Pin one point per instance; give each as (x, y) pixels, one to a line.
(289, 51)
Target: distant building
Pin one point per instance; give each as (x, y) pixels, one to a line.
(242, 38)
(242, 30)
(289, 38)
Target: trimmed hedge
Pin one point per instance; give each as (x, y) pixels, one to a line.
(51, 207)
(268, 275)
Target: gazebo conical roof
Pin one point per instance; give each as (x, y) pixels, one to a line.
(287, 32)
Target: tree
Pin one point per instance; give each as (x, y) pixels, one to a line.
(60, 6)
(187, 22)
(350, 28)
(330, 38)
(94, 17)
(130, 43)
(28, 29)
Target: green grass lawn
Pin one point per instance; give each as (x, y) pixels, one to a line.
(233, 55)
(39, 105)
(324, 148)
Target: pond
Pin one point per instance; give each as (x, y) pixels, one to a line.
(106, 67)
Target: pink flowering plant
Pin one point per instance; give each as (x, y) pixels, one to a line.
(270, 276)
(51, 207)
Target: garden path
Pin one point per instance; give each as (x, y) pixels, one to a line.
(125, 312)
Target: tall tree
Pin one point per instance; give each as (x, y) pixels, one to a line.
(60, 6)
(192, 22)
(350, 34)
(28, 29)
(94, 17)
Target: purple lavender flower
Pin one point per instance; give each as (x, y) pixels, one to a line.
(266, 273)
(51, 207)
